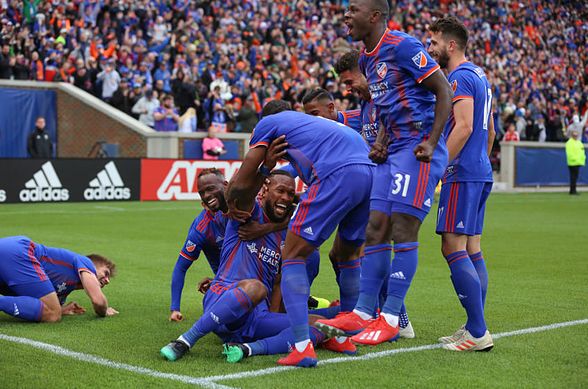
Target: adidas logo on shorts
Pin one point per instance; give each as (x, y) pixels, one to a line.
(398, 275)
(44, 186)
(460, 225)
(108, 185)
(308, 230)
(428, 203)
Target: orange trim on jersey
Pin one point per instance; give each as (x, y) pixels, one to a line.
(377, 48)
(85, 269)
(427, 74)
(462, 97)
(264, 144)
(36, 264)
(56, 262)
(186, 257)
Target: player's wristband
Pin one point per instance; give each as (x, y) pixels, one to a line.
(264, 170)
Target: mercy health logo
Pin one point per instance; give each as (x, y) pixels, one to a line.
(44, 186)
(108, 185)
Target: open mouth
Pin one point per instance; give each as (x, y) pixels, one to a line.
(212, 203)
(280, 209)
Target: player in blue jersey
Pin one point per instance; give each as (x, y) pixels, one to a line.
(332, 160)
(319, 102)
(206, 234)
(413, 99)
(467, 181)
(35, 280)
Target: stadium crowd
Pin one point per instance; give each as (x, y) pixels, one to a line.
(225, 59)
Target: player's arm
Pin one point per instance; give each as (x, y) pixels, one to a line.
(177, 286)
(463, 113)
(94, 292)
(491, 133)
(379, 150)
(439, 86)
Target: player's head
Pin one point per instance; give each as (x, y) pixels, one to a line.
(279, 195)
(211, 187)
(363, 16)
(347, 67)
(275, 106)
(105, 268)
(319, 102)
(449, 37)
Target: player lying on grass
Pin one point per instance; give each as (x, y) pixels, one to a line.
(35, 280)
(236, 306)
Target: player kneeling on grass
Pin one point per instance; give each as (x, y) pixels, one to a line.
(236, 306)
(35, 280)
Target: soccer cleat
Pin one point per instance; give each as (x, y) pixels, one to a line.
(335, 303)
(317, 302)
(235, 352)
(406, 332)
(452, 338)
(345, 323)
(346, 347)
(379, 331)
(307, 358)
(174, 350)
(468, 343)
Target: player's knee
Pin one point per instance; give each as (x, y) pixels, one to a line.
(255, 289)
(405, 228)
(451, 243)
(377, 231)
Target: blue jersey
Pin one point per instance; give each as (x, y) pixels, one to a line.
(316, 146)
(394, 70)
(370, 121)
(206, 234)
(258, 259)
(351, 119)
(472, 163)
(63, 267)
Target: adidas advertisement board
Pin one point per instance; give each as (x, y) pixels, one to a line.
(32, 181)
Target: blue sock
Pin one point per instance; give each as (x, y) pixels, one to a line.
(282, 343)
(480, 265)
(329, 312)
(349, 284)
(312, 266)
(403, 317)
(232, 305)
(467, 286)
(374, 268)
(402, 271)
(23, 307)
(337, 272)
(295, 292)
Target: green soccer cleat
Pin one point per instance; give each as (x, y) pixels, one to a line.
(235, 352)
(174, 350)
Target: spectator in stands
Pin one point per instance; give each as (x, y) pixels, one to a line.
(576, 158)
(188, 121)
(212, 147)
(247, 117)
(39, 144)
(145, 107)
(110, 81)
(124, 98)
(511, 134)
(5, 62)
(166, 116)
(577, 124)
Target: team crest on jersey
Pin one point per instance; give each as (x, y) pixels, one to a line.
(373, 115)
(381, 69)
(190, 246)
(420, 60)
(454, 85)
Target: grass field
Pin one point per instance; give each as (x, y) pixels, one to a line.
(536, 247)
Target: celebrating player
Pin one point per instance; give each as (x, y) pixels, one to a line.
(413, 98)
(35, 280)
(467, 181)
(332, 160)
(319, 102)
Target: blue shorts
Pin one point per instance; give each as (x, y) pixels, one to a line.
(20, 270)
(341, 199)
(258, 324)
(412, 187)
(379, 200)
(462, 206)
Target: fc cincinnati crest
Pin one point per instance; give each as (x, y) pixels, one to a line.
(373, 114)
(190, 246)
(420, 60)
(381, 69)
(454, 85)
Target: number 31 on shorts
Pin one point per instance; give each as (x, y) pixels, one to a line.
(401, 183)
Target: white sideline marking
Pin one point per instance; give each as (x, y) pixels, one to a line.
(209, 382)
(108, 208)
(380, 354)
(115, 365)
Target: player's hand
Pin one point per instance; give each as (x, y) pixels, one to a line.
(378, 153)
(72, 308)
(252, 230)
(204, 284)
(424, 151)
(275, 152)
(111, 311)
(176, 316)
(237, 214)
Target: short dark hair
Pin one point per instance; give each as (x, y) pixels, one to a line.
(383, 6)
(316, 94)
(348, 62)
(280, 172)
(275, 106)
(212, 170)
(98, 259)
(450, 26)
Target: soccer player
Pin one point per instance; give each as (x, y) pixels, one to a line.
(319, 102)
(467, 181)
(332, 160)
(35, 280)
(206, 234)
(413, 98)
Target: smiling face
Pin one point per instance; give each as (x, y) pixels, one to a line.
(321, 107)
(356, 82)
(439, 49)
(279, 197)
(211, 188)
(103, 274)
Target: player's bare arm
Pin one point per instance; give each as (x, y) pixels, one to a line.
(491, 134)
(436, 83)
(379, 150)
(463, 113)
(99, 302)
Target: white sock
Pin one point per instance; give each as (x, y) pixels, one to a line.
(391, 319)
(301, 346)
(363, 315)
(183, 340)
(340, 339)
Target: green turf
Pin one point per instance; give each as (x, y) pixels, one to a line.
(536, 246)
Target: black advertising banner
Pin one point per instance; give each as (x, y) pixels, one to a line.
(58, 180)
